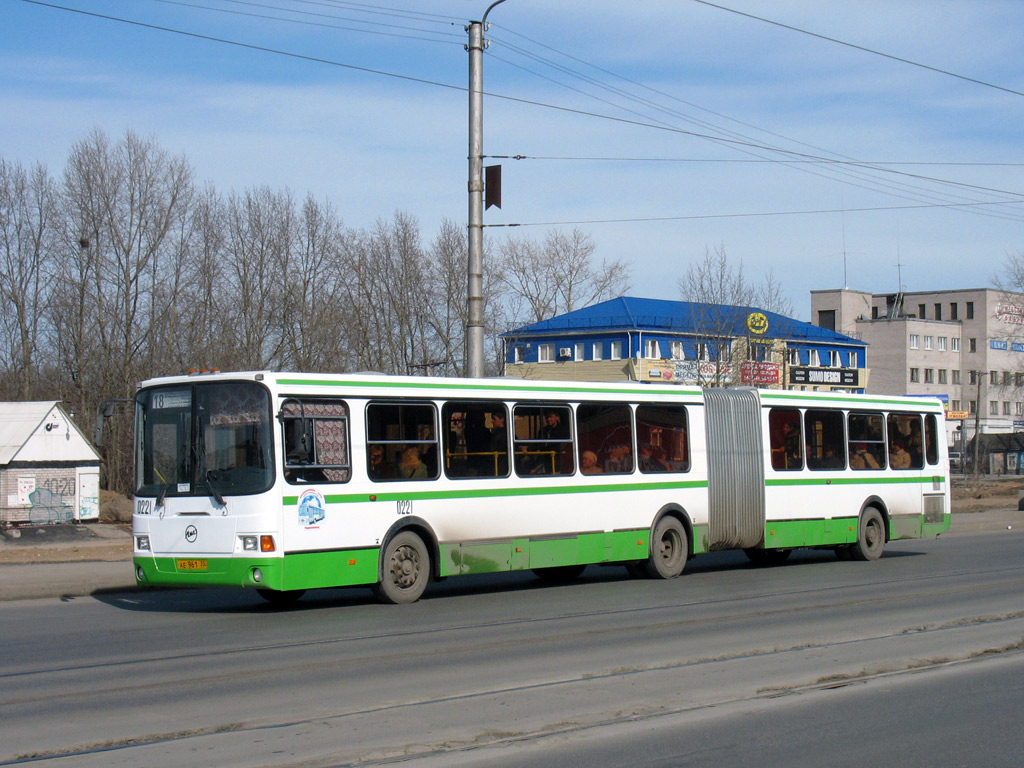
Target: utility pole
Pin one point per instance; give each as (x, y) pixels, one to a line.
(475, 283)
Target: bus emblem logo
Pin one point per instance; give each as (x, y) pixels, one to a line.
(191, 534)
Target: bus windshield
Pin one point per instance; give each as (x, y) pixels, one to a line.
(203, 439)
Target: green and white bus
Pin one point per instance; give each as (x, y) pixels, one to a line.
(284, 482)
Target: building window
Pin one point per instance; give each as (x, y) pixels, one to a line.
(929, 376)
(517, 354)
(954, 405)
(993, 407)
(915, 375)
(616, 352)
(955, 344)
(793, 356)
(993, 378)
(927, 342)
(970, 310)
(956, 376)
(545, 353)
(972, 407)
(676, 348)
(942, 375)
(1018, 408)
(972, 345)
(597, 351)
(651, 351)
(914, 341)
(874, 313)
(942, 343)
(954, 311)
(973, 376)
(579, 352)
(1006, 407)
(827, 319)
(1018, 379)
(938, 311)
(920, 311)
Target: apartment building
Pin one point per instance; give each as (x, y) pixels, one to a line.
(965, 347)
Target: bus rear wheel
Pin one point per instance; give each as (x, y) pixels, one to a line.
(870, 536)
(669, 548)
(405, 569)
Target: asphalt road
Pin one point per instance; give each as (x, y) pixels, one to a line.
(501, 670)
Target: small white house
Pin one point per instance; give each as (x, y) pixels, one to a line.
(49, 471)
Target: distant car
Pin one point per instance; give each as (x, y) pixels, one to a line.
(956, 462)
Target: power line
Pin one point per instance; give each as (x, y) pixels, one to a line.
(764, 214)
(861, 48)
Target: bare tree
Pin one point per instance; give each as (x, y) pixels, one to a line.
(28, 236)
(540, 281)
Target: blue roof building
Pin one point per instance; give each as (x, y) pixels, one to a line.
(692, 343)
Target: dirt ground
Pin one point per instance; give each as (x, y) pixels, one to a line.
(111, 541)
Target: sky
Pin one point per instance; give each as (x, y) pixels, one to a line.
(869, 144)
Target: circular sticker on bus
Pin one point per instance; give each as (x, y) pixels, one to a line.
(311, 508)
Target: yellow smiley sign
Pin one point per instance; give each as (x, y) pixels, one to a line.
(757, 323)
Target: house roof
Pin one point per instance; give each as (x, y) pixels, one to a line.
(19, 422)
(683, 317)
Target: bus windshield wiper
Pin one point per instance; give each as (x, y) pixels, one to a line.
(160, 496)
(213, 489)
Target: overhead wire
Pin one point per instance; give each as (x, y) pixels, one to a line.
(730, 138)
(852, 169)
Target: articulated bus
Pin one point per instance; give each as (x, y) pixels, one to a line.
(284, 482)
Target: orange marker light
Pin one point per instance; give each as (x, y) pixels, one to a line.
(267, 543)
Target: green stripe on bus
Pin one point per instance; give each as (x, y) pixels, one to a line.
(492, 493)
(846, 480)
(496, 387)
(822, 398)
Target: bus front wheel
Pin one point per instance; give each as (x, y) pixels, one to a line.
(405, 569)
(870, 536)
(669, 547)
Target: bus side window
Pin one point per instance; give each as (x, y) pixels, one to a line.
(543, 442)
(784, 438)
(825, 439)
(406, 435)
(475, 439)
(931, 440)
(664, 441)
(906, 444)
(605, 433)
(866, 441)
(315, 434)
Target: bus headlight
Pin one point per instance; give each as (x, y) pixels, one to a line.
(250, 543)
(142, 543)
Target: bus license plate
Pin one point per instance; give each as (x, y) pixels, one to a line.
(192, 565)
